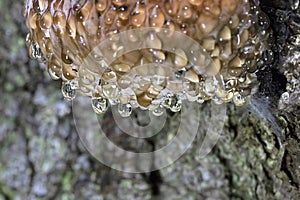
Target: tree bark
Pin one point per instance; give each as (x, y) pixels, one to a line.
(256, 157)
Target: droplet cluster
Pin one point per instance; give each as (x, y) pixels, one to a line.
(232, 35)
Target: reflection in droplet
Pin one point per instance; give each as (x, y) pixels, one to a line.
(159, 111)
(110, 91)
(173, 103)
(68, 91)
(238, 100)
(36, 52)
(100, 105)
(125, 109)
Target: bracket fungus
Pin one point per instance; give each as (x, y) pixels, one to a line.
(149, 54)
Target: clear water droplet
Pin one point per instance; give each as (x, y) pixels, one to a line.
(103, 65)
(159, 111)
(238, 100)
(99, 104)
(110, 91)
(210, 86)
(36, 52)
(294, 4)
(125, 109)
(217, 100)
(200, 100)
(173, 103)
(191, 90)
(68, 91)
(248, 49)
(285, 97)
(28, 39)
(179, 74)
(53, 74)
(74, 84)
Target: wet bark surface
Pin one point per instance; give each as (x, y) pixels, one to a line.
(256, 157)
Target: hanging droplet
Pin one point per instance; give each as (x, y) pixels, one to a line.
(285, 97)
(36, 52)
(110, 91)
(125, 109)
(191, 90)
(100, 105)
(238, 100)
(200, 100)
(294, 4)
(28, 39)
(173, 103)
(68, 91)
(176, 106)
(159, 111)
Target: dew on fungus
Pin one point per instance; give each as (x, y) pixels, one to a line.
(196, 40)
(125, 110)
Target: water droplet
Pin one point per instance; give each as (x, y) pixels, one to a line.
(110, 91)
(210, 86)
(74, 84)
(125, 109)
(173, 103)
(294, 4)
(159, 111)
(99, 104)
(238, 100)
(285, 97)
(36, 52)
(263, 21)
(267, 57)
(191, 90)
(28, 39)
(68, 91)
(200, 100)
(217, 100)
(179, 74)
(248, 49)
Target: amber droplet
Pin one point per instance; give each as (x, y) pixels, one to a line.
(32, 20)
(85, 11)
(123, 14)
(71, 26)
(186, 12)
(138, 15)
(196, 2)
(110, 17)
(68, 72)
(157, 18)
(101, 5)
(46, 20)
(172, 7)
(65, 57)
(212, 7)
(119, 3)
(206, 23)
(144, 100)
(59, 21)
(54, 68)
(228, 6)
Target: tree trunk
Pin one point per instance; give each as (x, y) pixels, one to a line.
(256, 157)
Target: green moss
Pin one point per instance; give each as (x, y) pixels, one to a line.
(19, 80)
(9, 87)
(7, 192)
(66, 181)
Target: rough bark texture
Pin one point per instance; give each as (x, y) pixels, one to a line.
(41, 156)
